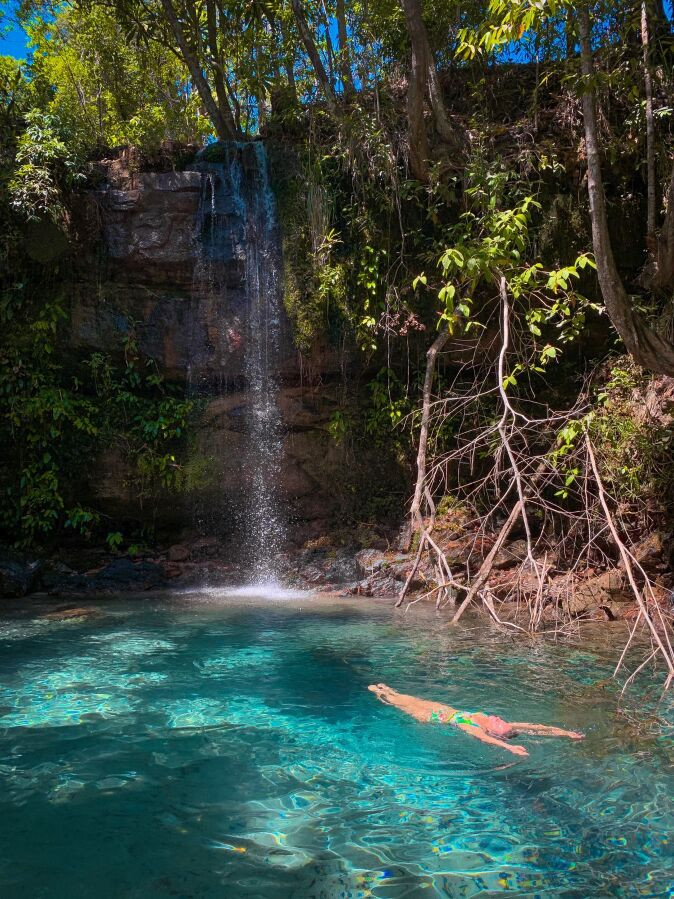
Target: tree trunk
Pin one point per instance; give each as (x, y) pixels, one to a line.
(289, 63)
(329, 51)
(313, 54)
(218, 74)
(416, 91)
(423, 67)
(449, 134)
(646, 346)
(431, 357)
(663, 279)
(224, 127)
(651, 217)
(344, 58)
(235, 105)
(417, 136)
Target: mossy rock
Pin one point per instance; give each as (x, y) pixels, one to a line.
(216, 152)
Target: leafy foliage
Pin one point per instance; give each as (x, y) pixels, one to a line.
(105, 89)
(45, 168)
(634, 444)
(376, 260)
(54, 420)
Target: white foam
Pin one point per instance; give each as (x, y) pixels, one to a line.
(267, 591)
(264, 591)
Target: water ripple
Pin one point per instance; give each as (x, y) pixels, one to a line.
(235, 751)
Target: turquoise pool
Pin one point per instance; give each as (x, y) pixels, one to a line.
(204, 746)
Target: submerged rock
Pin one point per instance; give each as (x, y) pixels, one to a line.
(73, 613)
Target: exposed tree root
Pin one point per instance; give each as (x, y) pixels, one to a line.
(662, 640)
(526, 475)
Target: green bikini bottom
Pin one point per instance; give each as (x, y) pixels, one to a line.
(455, 718)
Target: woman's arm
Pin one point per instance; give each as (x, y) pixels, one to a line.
(484, 737)
(544, 730)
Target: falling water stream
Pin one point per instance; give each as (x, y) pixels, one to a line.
(237, 222)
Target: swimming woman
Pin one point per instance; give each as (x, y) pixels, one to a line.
(487, 728)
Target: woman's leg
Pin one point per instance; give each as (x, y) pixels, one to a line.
(421, 709)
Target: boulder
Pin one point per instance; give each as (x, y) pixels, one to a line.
(178, 553)
(405, 536)
(380, 584)
(54, 576)
(172, 569)
(608, 591)
(512, 554)
(656, 402)
(18, 574)
(650, 552)
(370, 560)
(205, 547)
(326, 567)
(514, 583)
(119, 576)
(342, 568)
(603, 590)
(470, 548)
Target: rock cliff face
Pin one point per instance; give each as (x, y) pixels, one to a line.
(147, 277)
(141, 272)
(148, 225)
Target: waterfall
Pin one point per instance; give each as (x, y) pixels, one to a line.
(239, 265)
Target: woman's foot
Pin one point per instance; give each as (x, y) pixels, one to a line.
(382, 692)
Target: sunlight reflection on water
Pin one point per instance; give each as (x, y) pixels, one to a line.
(191, 747)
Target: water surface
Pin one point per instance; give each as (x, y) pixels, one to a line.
(211, 747)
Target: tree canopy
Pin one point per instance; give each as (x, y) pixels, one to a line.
(439, 145)
(143, 71)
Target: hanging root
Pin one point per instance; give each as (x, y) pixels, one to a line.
(538, 455)
(413, 571)
(660, 637)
